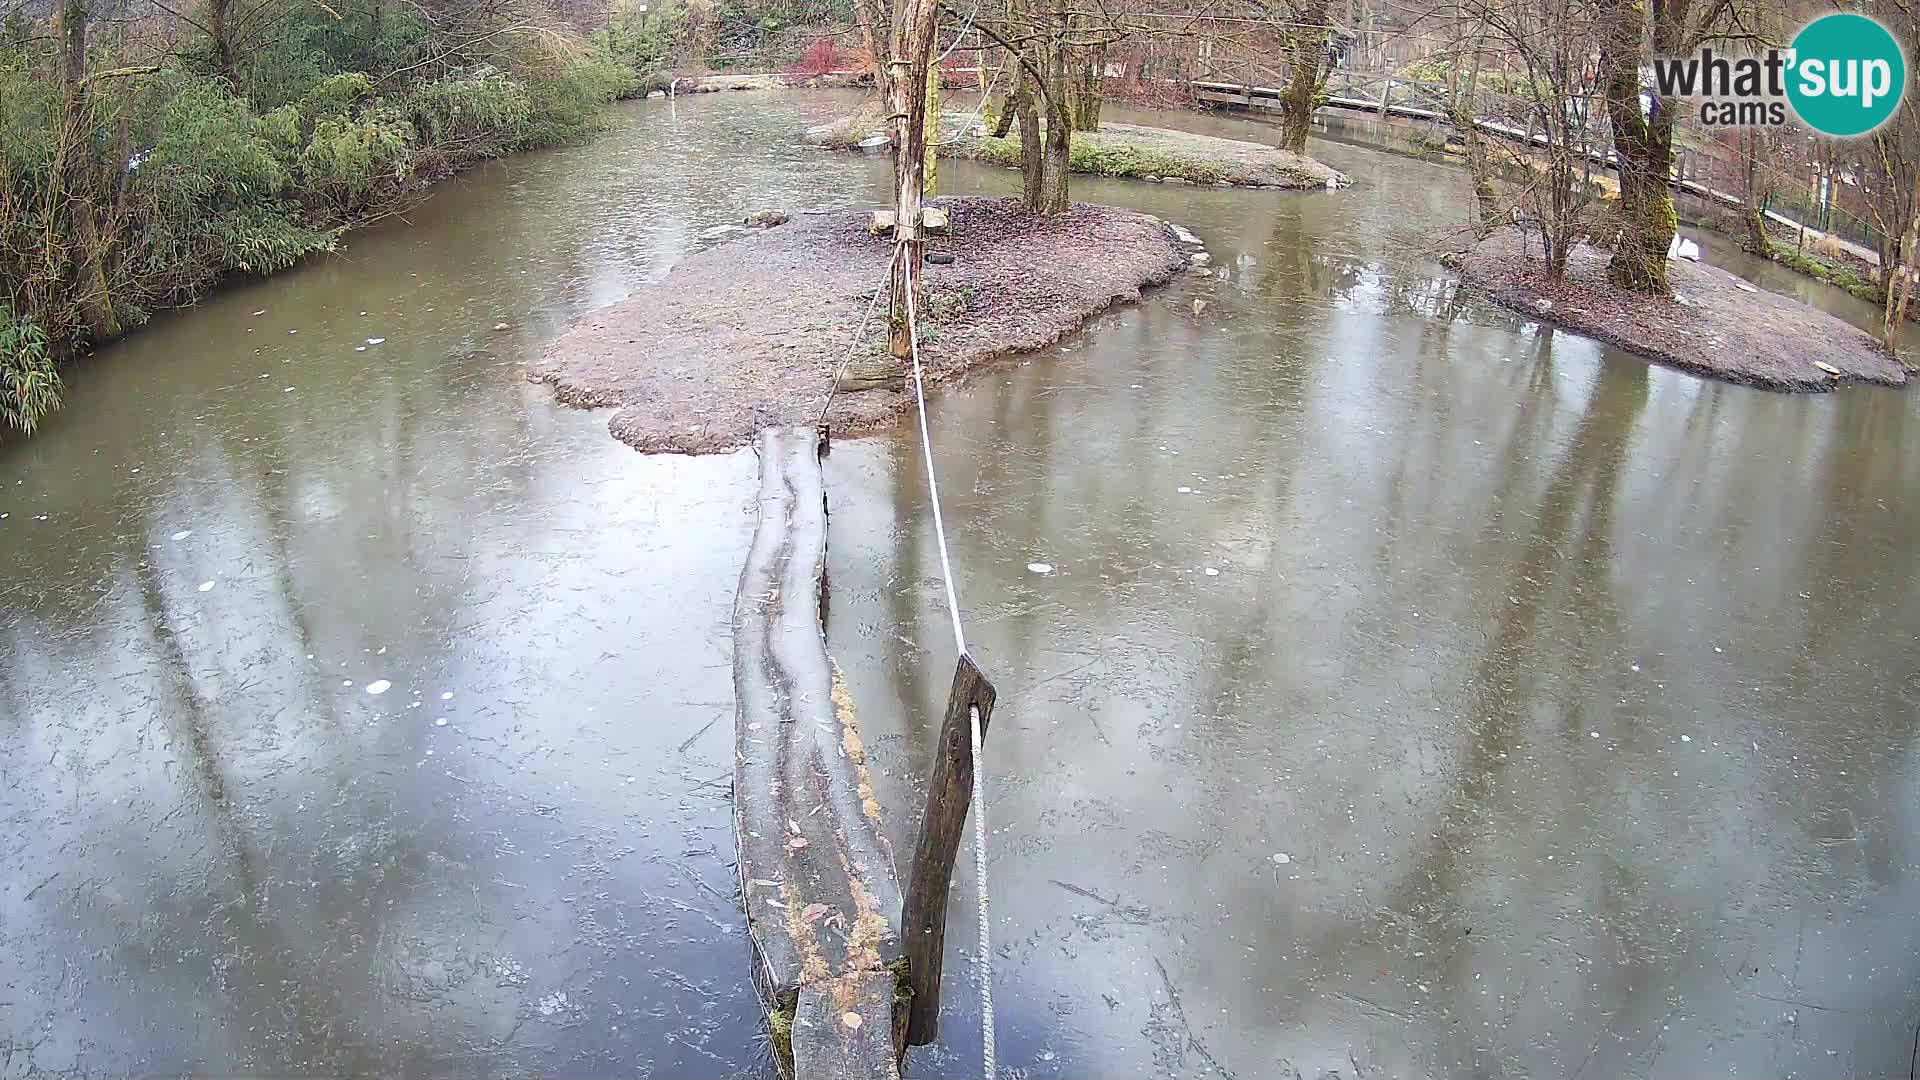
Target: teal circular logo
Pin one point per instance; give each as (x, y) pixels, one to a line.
(1848, 75)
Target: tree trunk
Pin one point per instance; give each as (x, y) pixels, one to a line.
(930, 166)
(1054, 196)
(1033, 166)
(1089, 87)
(999, 110)
(912, 55)
(71, 29)
(1643, 147)
(1463, 101)
(75, 167)
(220, 29)
(1899, 275)
(1486, 198)
(1009, 105)
(1759, 191)
(1309, 57)
(864, 18)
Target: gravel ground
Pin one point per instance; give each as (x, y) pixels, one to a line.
(1711, 326)
(750, 332)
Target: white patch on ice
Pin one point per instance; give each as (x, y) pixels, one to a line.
(550, 1004)
(1281, 858)
(206, 586)
(1593, 734)
(183, 534)
(1686, 738)
(1184, 490)
(446, 695)
(1211, 572)
(440, 722)
(379, 686)
(1040, 568)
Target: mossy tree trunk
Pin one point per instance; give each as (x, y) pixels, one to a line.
(1309, 58)
(1054, 186)
(930, 167)
(1486, 198)
(1004, 110)
(1643, 147)
(1089, 86)
(1000, 109)
(1033, 165)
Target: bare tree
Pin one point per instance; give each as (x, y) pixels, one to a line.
(1892, 167)
(1545, 47)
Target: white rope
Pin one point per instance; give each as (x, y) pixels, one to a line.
(984, 963)
(985, 96)
(933, 485)
(983, 957)
(961, 36)
(834, 387)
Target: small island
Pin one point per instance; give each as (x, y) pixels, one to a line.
(753, 331)
(1115, 150)
(1714, 324)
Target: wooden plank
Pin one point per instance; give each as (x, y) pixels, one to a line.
(949, 791)
(847, 1028)
(816, 875)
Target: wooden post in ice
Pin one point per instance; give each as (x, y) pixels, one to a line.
(923, 921)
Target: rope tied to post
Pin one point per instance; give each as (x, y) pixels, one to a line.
(983, 958)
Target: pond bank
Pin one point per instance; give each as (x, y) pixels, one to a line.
(751, 332)
(1126, 151)
(1714, 325)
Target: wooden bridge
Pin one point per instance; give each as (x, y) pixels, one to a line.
(845, 992)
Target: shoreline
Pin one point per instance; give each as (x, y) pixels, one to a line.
(1715, 325)
(1120, 151)
(751, 332)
